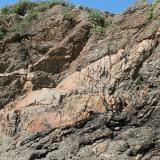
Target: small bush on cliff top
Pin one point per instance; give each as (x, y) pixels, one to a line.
(29, 11)
(62, 2)
(68, 16)
(23, 6)
(96, 18)
(98, 30)
(3, 26)
(154, 4)
(42, 6)
(98, 22)
(5, 10)
(33, 14)
(25, 22)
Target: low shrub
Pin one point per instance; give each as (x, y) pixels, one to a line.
(29, 10)
(98, 30)
(25, 22)
(5, 10)
(98, 22)
(154, 4)
(42, 6)
(2, 33)
(18, 26)
(22, 6)
(96, 18)
(31, 15)
(68, 16)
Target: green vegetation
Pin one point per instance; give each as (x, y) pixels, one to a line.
(98, 22)
(2, 33)
(141, 1)
(62, 2)
(25, 22)
(3, 26)
(27, 11)
(5, 10)
(42, 6)
(98, 30)
(23, 6)
(154, 4)
(68, 16)
(96, 18)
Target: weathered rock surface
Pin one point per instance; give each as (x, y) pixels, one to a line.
(66, 94)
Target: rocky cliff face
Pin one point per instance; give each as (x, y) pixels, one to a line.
(68, 94)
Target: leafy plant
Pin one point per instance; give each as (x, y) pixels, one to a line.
(30, 10)
(98, 22)
(154, 4)
(5, 10)
(98, 30)
(96, 18)
(2, 33)
(141, 1)
(18, 26)
(68, 16)
(109, 23)
(25, 22)
(55, 2)
(22, 6)
(31, 15)
(42, 6)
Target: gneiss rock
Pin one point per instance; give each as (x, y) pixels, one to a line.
(68, 93)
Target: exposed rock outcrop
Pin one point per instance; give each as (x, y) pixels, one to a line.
(68, 94)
